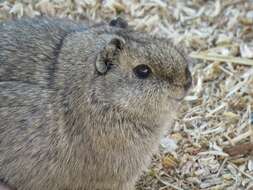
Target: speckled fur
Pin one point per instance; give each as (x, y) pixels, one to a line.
(64, 126)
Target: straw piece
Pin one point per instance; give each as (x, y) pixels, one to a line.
(221, 58)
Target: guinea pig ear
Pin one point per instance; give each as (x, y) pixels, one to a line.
(105, 57)
(119, 23)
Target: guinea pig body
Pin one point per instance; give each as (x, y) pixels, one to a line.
(83, 107)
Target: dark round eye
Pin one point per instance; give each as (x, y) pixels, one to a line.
(142, 71)
(109, 66)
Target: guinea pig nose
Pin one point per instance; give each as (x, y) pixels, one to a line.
(188, 79)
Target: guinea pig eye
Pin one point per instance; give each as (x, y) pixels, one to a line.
(142, 71)
(109, 66)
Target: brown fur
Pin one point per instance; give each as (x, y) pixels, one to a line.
(67, 122)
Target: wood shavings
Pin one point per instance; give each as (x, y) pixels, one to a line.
(240, 149)
(216, 153)
(239, 138)
(169, 162)
(246, 50)
(224, 39)
(167, 184)
(168, 145)
(17, 9)
(244, 173)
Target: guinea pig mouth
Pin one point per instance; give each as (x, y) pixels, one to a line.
(182, 93)
(178, 98)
